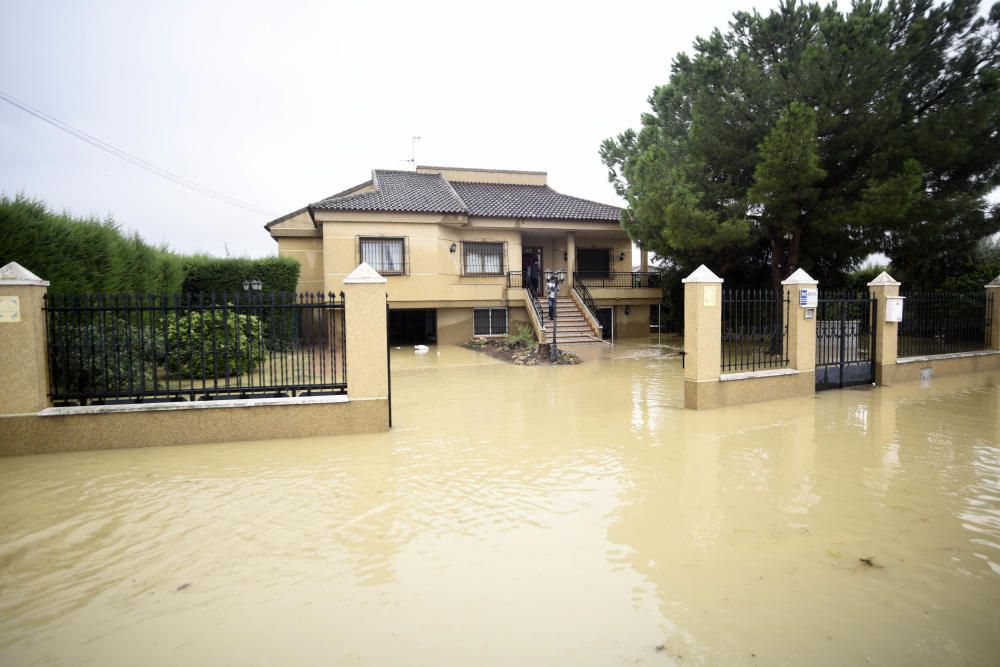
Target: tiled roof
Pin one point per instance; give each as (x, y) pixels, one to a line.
(411, 192)
(402, 192)
(503, 200)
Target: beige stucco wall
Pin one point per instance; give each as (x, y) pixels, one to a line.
(454, 325)
(33, 434)
(908, 370)
(23, 358)
(633, 325)
(308, 252)
(707, 395)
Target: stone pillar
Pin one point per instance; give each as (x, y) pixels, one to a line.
(993, 303)
(643, 260)
(24, 370)
(367, 345)
(801, 331)
(570, 259)
(886, 333)
(702, 337)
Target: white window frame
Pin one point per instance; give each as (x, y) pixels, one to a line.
(385, 254)
(477, 260)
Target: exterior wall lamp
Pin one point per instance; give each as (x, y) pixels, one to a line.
(453, 247)
(621, 257)
(252, 285)
(565, 255)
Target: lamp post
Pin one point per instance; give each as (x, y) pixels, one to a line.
(557, 276)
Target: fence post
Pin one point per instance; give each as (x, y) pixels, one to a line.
(365, 319)
(801, 331)
(886, 333)
(993, 303)
(24, 370)
(702, 337)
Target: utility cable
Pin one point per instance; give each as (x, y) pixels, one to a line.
(131, 159)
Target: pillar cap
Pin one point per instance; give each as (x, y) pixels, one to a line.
(702, 275)
(884, 279)
(993, 283)
(364, 275)
(799, 277)
(15, 274)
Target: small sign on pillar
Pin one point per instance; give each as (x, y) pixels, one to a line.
(10, 309)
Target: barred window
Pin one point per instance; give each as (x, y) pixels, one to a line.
(385, 255)
(482, 258)
(489, 321)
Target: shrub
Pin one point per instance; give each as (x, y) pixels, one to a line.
(523, 336)
(222, 343)
(109, 358)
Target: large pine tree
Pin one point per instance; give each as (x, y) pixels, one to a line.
(813, 137)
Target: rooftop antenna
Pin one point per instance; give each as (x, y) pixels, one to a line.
(413, 152)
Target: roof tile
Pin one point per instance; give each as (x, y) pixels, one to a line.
(411, 192)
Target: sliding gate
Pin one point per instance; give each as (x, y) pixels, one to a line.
(845, 339)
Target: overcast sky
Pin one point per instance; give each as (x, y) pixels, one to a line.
(280, 104)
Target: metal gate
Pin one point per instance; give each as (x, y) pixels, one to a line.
(845, 340)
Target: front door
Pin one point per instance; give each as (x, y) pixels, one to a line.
(531, 254)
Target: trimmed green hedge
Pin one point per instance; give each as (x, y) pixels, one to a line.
(223, 274)
(83, 255)
(92, 256)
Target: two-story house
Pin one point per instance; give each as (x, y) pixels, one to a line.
(456, 246)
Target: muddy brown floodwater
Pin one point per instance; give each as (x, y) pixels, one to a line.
(528, 516)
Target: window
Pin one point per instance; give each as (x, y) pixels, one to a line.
(593, 262)
(482, 258)
(489, 321)
(385, 255)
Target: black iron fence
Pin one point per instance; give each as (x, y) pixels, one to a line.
(622, 279)
(754, 329)
(943, 322)
(516, 279)
(133, 349)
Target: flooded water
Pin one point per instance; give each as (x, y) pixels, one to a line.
(528, 516)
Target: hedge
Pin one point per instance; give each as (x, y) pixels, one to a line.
(91, 256)
(83, 255)
(226, 275)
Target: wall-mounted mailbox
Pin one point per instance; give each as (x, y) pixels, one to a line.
(894, 308)
(808, 298)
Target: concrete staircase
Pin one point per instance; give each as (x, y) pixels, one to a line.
(573, 327)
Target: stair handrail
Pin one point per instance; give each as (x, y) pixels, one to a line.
(590, 309)
(537, 321)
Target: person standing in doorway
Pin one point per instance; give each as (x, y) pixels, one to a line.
(533, 276)
(553, 291)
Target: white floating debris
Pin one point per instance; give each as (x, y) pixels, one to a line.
(420, 349)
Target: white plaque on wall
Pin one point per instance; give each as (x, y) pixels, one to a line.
(10, 309)
(710, 296)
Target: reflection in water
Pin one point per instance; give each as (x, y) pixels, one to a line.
(525, 515)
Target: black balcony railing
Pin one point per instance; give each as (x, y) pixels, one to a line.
(754, 329)
(617, 279)
(516, 279)
(944, 322)
(133, 349)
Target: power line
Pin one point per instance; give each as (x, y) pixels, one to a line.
(128, 157)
